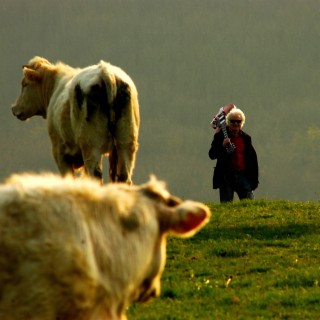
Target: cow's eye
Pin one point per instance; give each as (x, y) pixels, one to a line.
(173, 201)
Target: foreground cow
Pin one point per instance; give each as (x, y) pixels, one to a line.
(91, 112)
(74, 250)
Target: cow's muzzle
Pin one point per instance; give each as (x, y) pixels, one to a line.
(18, 114)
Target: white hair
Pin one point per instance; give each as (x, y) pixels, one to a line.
(238, 112)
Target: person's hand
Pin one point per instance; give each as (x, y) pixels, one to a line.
(226, 141)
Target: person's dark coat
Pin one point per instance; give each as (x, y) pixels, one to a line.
(217, 151)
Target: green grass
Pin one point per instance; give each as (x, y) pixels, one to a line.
(254, 260)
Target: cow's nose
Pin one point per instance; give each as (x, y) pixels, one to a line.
(14, 110)
(17, 113)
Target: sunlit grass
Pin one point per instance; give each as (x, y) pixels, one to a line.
(255, 260)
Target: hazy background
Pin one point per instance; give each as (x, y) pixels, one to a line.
(188, 58)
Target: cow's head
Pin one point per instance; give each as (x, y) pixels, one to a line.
(174, 216)
(32, 99)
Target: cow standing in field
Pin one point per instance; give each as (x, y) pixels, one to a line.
(76, 250)
(90, 112)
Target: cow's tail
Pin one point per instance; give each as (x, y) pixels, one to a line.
(117, 97)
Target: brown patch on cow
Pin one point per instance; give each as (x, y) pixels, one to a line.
(130, 223)
(79, 96)
(122, 98)
(97, 101)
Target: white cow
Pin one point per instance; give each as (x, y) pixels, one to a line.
(75, 250)
(91, 112)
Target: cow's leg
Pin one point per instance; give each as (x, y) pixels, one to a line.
(113, 159)
(63, 161)
(93, 163)
(126, 161)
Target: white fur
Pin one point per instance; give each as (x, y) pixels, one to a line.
(72, 249)
(49, 90)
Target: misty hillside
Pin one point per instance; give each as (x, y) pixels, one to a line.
(188, 58)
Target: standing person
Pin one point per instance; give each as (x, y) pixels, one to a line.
(238, 171)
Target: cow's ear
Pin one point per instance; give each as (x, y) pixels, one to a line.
(32, 75)
(185, 219)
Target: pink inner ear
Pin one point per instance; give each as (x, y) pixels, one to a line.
(191, 222)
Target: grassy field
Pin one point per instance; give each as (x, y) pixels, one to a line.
(254, 260)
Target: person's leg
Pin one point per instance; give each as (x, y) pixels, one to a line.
(226, 191)
(243, 188)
